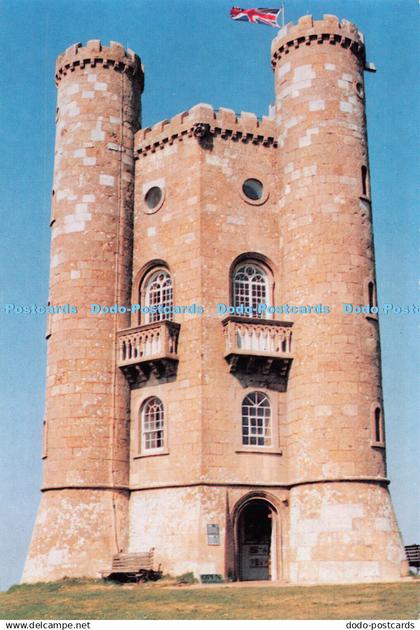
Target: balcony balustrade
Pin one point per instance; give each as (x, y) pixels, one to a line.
(259, 351)
(148, 350)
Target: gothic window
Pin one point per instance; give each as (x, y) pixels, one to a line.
(152, 424)
(250, 287)
(256, 420)
(158, 296)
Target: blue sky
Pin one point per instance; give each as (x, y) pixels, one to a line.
(192, 53)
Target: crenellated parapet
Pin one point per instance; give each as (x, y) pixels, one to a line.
(201, 121)
(310, 32)
(94, 53)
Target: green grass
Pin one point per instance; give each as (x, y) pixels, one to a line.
(90, 599)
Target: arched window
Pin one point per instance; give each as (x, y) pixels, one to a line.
(250, 287)
(157, 294)
(256, 420)
(152, 424)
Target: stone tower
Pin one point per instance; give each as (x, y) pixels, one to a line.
(83, 513)
(341, 520)
(255, 447)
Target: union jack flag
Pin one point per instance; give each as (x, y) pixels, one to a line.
(256, 16)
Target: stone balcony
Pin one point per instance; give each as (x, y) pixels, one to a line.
(259, 351)
(148, 351)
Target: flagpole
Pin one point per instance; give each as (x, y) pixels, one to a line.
(282, 14)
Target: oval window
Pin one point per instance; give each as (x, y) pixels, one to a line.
(253, 189)
(153, 197)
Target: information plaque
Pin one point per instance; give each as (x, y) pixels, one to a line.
(213, 534)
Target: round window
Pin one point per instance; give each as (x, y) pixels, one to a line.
(153, 197)
(253, 189)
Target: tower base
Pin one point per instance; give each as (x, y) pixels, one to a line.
(75, 534)
(344, 532)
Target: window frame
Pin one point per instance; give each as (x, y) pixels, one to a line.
(276, 405)
(147, 186)
(364, 182)
(144, 296)
(370, 297)
(257, 433)
(255, 262)
(142, 451)
(45, 437)
(265, 190)
(377, 407)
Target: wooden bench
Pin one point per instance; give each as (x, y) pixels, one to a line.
(133, 567)
(413, 555)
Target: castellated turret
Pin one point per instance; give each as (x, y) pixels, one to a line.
(340, 515)
(211, 422)
(82, 519)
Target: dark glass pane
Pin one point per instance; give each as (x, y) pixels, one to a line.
(253, 189)
(153, 197)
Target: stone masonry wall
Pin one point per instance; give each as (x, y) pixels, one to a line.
(343, 532)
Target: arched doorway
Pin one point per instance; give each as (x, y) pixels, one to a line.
(256, 541)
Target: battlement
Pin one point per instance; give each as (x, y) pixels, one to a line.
(308, 31)
(202, 120)
(94, 53)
